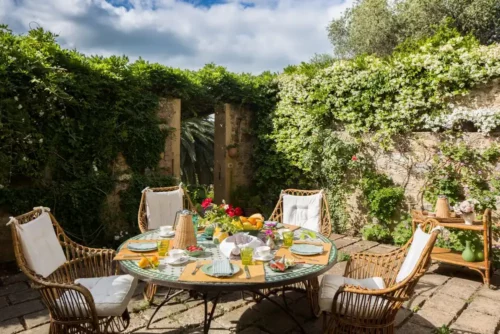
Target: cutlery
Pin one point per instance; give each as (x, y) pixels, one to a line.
(198, 266)
(247, 272)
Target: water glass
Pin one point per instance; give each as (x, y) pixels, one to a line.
(246, 254)
(163, 246)
(288, 239)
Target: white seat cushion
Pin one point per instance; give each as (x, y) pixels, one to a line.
(331, 283)
(41, 248)
(111, 295)
(303, 211)
(161, 207)
(420, 240)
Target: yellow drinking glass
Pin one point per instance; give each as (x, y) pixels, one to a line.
(163, 246)
(287, 239)
(246, 255)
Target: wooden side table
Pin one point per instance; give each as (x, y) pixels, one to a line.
(453, 257)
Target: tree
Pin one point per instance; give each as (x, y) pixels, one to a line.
(197, 150)
(378, 26)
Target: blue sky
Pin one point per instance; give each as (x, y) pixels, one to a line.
(243, 35)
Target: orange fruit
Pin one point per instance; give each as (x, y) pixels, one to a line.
(243, 219)
(143, 263)
(252, 221)
(257, 216)
(259, 225)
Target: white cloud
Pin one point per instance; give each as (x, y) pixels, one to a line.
(269, 35)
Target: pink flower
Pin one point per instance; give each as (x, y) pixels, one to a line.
(354, 158)
(206, 203)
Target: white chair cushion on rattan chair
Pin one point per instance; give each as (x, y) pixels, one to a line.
(420, 240)
(303, 211)
(161, 207)
(331, 283)
(41, 248)
(111, 296)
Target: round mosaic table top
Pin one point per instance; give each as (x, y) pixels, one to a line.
(168, 275)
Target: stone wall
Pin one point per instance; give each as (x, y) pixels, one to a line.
(408, 164)
(169, 112)
(412, 156)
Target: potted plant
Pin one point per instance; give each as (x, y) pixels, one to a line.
(232, 150)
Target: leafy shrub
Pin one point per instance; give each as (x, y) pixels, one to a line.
(382, 198)
(402, 233)
(376, 232)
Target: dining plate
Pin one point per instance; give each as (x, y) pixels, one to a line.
(306, 249)
(208, 270)
(142, 247)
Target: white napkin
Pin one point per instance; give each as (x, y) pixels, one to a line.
(239, 240)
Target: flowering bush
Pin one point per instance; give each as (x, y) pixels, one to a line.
(484, 119)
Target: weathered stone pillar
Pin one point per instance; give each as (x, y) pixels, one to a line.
(169, 112)
(232, 124)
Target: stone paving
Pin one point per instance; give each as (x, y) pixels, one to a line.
(447, 297)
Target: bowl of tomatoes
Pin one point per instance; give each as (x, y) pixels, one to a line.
(194, 250)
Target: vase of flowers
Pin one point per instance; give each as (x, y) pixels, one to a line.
(466, 210)
(270, 239)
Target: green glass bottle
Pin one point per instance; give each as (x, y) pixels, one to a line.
(468, 254)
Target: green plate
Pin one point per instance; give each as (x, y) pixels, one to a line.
(142, 247)
(305, 249)
(207, 269)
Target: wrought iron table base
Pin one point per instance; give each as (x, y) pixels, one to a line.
(209, 315)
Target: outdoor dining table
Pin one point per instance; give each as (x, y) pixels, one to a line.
(168, 276)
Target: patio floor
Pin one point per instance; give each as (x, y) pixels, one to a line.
(446, 295)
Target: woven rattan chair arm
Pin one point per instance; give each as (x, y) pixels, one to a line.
(365, 265)
(62, 305)
(359, 302)
(93, 263)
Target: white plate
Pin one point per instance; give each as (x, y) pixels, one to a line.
(167, 235)
(176, 262)
(269, 257)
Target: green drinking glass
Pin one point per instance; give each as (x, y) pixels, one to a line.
(246, 254)
(288, 239)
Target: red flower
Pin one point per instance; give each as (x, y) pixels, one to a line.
(206, 203)
(230, 212)
(354, 158)
(238, 212)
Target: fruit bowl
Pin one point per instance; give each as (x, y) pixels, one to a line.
(253, 224)
(194, 250)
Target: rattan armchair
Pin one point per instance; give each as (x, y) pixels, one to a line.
(71, 305)
(325, 228)
(355, 309)
(142, 218)
(325, 222)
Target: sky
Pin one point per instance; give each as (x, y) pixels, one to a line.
(242, 35)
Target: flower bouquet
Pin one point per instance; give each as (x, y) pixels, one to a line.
(466, 210)
(223, 216)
